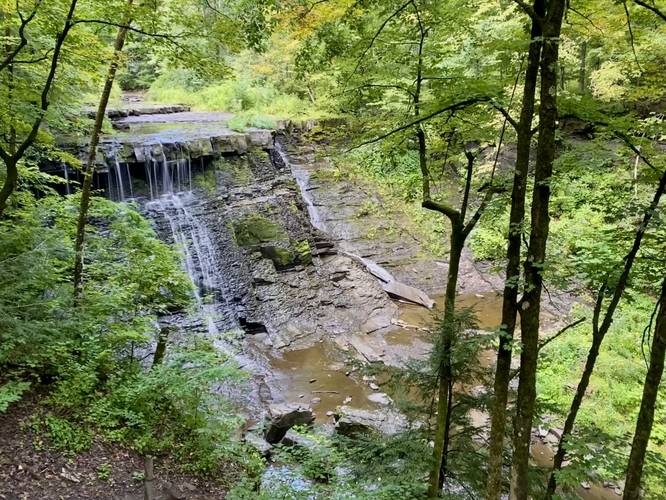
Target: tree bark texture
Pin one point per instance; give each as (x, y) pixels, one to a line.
(510, 296)
(89, 168)
(632, 488)
(530, 303)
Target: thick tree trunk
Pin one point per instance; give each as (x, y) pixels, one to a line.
(510, 298)
(89, 168)
(531, 301)
(632, 488)
(445, 375)
(599, 333)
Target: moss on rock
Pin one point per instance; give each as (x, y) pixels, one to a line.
(253, 229)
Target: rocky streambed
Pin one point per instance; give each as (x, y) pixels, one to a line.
(293, 279)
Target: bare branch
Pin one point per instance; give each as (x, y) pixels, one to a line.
(563, 330)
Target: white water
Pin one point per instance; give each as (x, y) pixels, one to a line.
(171, 198)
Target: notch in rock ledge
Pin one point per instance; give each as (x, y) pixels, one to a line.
(252, 327)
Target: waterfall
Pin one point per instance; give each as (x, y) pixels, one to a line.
(194, 241)
(168, 196)
(302, 177)
(390, 285)
(65, 174)
(120, 191)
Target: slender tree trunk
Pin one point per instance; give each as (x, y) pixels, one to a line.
(160, 348)
(531, 301)
(148, 479)
(582, 70)
(445, 375)
(510, 298)
(89, 168)
(599, 333)
(632, 488)
(10, 182)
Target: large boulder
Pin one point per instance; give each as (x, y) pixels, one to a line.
(283, 417)
(354, 421)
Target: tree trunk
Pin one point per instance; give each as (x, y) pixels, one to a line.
(160, 348)
(632, 488)
(510, 298)
(89, 168)
(531, 301)
(582, 70)
(599, 333)
(148, 479)
(12, 158)
(445, 375)
(10, 183)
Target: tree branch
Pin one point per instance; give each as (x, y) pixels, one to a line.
(442, 208)
(44, 99)
(631, 35)
(563, 330)
(378, 32)
(528, 10)
(506, 115)
(21, 32)
(651, 7)
(168, 36)
(452, 107)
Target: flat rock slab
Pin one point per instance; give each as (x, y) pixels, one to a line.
(405, 292)
(353, 421)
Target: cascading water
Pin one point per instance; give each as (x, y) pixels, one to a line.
(302, 177)
(388, 282)
(169, 189)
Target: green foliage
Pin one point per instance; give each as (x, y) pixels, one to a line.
(62, 434)
(611, 405)
(11, 392)
(256, 103)
(172, 408)
(104, 472)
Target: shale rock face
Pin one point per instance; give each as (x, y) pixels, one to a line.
(277, 274)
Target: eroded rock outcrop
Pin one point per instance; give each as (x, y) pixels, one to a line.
(283, 417)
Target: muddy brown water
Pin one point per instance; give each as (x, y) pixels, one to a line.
(320, 376)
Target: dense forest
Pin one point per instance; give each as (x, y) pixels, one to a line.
(262, 249)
